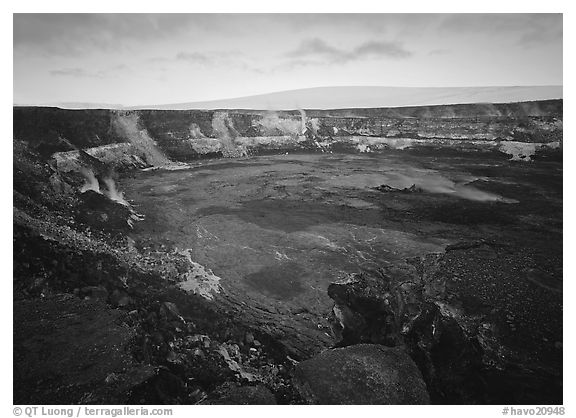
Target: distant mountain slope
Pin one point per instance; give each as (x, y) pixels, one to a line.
(361, 97)
(373, 97)
(73, 105)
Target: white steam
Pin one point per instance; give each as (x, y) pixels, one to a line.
(433, 182)
(224, 129)
(302, 121)
(111, 191)
(314, 125)
(195, 132)
(402, 177)
(305, 123)
(127, 125)
(91, 182)
(271, 124)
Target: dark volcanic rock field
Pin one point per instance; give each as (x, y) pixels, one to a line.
(407, 255)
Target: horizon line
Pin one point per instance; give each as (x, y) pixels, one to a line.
(116, 105)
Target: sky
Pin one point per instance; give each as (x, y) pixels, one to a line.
(137, 59)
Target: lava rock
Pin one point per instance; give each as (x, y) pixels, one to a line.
(120, 298)
(99, 211)
(364, 374)
(389, 189)
(59, 185)
(365, 309)
(95, 292)
(80, 346)
(169, 311)
(243, 395)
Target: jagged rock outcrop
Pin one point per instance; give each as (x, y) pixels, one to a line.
(364, 374)
(391, 308)
(460, 341)
(120, 157)
(365, 310)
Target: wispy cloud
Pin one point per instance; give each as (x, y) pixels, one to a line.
(316, 51)
(529, 29)
(549, 34)
(196, 58)
(380, 49)
(77, 72)
(439, 51)
(314, 47)
(214, 59)
(81, 34)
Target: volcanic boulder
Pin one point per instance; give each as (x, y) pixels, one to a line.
(364, 374)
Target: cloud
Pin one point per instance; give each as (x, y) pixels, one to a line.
(542, 34)
(296, 63)
(314, 47)
(195, 58)
(377, 24)
(214, 59)
(80, 34)
(77, 72)
(316, 51)
(381, 49)
(529, 30)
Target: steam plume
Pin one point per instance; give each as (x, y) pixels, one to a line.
(303, 121)
(271, 123)
(224, 129)
(127, 125)
(91, 183)
(312, 124)
(113, 192)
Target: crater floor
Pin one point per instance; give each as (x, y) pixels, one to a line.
(278, 229)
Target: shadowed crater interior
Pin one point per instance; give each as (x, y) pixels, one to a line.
(282, 281)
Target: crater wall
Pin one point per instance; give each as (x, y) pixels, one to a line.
(184, 135)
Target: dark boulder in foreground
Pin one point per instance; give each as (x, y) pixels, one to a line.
(452, 312)
(364, 374)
